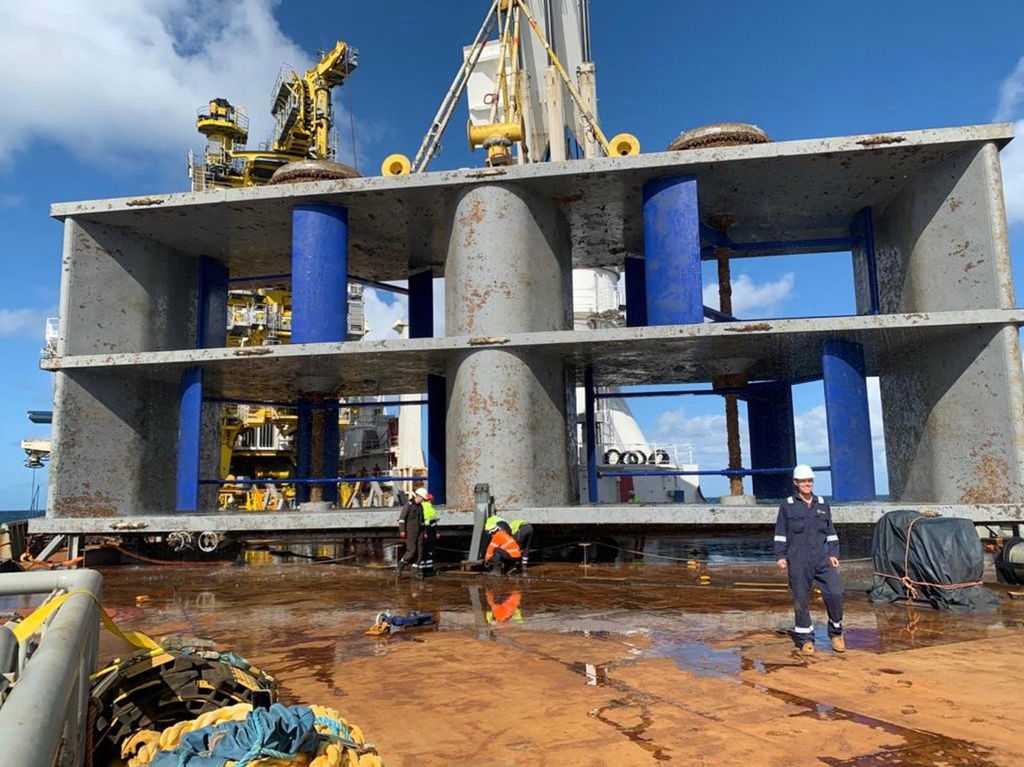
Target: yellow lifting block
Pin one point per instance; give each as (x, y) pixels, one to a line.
(395, 165)
(478, 134)
(623, 145)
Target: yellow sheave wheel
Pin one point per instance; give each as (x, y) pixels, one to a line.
(395, 165)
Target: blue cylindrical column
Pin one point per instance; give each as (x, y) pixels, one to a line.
(319, 273)
(211, 331)
(849, 426)
(319, 315)
(437, 441)
(636, 292)
(190, 410)
(672, 252)
(590, 426)
(772, 437)
(421, 306)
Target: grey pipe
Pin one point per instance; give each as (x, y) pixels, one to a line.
(50, 689)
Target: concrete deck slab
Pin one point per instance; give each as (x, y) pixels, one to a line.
(592, 518)
(787, 190)
(768, 349)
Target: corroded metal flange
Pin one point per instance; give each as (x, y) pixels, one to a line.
(312, 170)
(719, 134)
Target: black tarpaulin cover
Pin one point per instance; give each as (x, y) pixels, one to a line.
(929, 559)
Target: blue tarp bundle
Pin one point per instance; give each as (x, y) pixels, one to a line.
(279, 731)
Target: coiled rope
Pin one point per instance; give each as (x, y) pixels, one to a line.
(340, 743)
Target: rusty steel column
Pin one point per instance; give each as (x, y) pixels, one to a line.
(508, 271)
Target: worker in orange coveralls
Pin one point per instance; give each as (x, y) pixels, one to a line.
(502, 550)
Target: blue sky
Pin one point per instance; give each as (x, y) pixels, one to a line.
(99, 99)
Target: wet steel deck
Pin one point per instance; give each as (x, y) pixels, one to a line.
(609, 665)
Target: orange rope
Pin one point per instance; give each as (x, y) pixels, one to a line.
(908, 582)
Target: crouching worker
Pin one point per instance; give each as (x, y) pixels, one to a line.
(502, 552)
(522, 531)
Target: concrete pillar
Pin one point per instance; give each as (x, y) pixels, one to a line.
(849, 426)
(319, 315)
(672, 252)
(772, 437)
(508, 271)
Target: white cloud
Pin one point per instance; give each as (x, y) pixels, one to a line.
(10, 200)
(382, 314)
(1011, 94)
(125, 77)
(1013, 175)
(24, 323)
(1011, 104)
(753, 299)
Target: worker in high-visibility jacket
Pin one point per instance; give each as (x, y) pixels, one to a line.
(522, 531)
(411, 529)
(503, 551)
(807, 548)
(495, 520)
(430, 535)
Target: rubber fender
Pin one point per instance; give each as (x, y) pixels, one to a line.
(612, 456)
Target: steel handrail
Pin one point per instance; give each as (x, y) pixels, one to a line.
(44, 716)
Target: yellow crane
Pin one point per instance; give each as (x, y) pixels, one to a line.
(303, 126)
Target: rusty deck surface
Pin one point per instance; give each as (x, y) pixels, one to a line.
(605, 665)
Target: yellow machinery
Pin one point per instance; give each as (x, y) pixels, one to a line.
(303, 119)
(505, 127)
(256, 442)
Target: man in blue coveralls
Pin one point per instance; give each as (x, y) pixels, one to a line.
(807, 547)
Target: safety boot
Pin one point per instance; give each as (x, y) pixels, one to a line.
(838, 644)
(401, 566)
(807, 648)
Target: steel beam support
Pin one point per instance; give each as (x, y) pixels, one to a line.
(865, 266)
(211, 325)
(303, 448)
(437, 407)
(421, 306)
(636, 292)
(672, 251)
(590, 426)
(190, 410)
(849, 426)
(331, 450)
(508, 271)
(319, 273)
(772, 436)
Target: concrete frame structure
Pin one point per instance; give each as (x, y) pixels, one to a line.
(930, 255)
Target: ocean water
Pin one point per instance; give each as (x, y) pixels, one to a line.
(12, 516)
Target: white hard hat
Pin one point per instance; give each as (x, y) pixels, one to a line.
(422, 492)
(803, 471)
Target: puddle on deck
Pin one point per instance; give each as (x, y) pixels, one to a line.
(310, 618)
